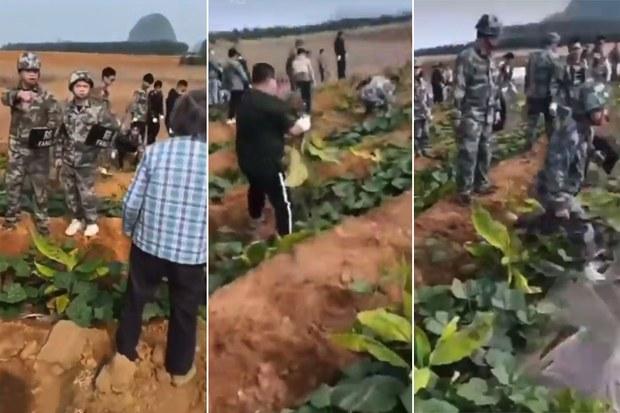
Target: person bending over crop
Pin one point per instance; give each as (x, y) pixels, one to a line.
(87, 126)
(262, 121)
(165, 215)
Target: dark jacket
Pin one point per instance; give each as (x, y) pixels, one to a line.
(156, 104)
(173, 95)
(339, 46)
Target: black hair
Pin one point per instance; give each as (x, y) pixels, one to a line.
(340, 33)
(158, 83)
(107, 72)
(321, 50)
(182, 82)
(262, 72)
(301, 50)
(232, 52)
(148, 78)
(600, 37)
(189, 116)
(509, 55)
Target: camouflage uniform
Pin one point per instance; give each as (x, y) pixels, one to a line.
(574, 75)
(138, 109)
(101, 95)
(42, 111)
(564, 170)
(379, 93)
(601, 69)
(476, 98)
(542, 77)
(79, 160)
(422, 113)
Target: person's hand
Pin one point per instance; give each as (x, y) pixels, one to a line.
(304, 123)
(498, 117)
(553, 108)
(563, 213)
(25, 96)
(58, 163)
(155, 120)
(339, 57)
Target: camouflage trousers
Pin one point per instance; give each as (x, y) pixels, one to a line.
(33, 164)
(79, 186)
(421, 134)
(474, 155)
(536, 107)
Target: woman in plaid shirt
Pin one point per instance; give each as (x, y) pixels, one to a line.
(165, 214)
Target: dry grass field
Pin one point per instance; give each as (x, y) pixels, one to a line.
(370, 50)
(56, 68)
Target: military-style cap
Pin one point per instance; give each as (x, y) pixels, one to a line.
(552, 38)
(28, 61)
(489, 25)
(80, 75)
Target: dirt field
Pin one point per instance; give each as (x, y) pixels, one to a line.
(369, 50)
(56, 68)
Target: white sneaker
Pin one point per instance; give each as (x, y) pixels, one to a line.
(231, 121)
(592, 273)
(91, 230)
(73, 228)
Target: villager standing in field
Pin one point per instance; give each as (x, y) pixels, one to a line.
(155, 112)
(601, 69)
(263, 120)
(377, 92)
(108, 77)
(506, 86)
(215, 80)
(35, 115)
(292, 54)
(341, 55)
(587, 54)
(575, 74)
(87, 126)
(476, 99)
(168, 232)
(322, 65)
(171, 99)
(303, 74)
(542, 83)
(422, 104)
(139, 108)
(614, 61)
(235, 80)
(438, 83)
(564, 171)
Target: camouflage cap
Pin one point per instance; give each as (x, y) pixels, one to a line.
(489, 25)
(78, 75)
(552, 38)
(28, 61)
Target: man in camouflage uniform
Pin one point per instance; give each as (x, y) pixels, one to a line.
(563, 174)
(139, 107)
(477, 103)
(378, 93)
(76, 159)
(102, 93)
(422, 103)
(601, 69)
(575, 74)
(31, 107)
(542, 76)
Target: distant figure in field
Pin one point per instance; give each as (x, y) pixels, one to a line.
(341, 55)
(108, 77)
(303, 74)
(155, 112)
(614, 60)
(235, 80)
(322, 65)
(173, 95)
(292, 54)
(438, 83)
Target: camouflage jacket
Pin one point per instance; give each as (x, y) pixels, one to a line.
(76, 123)
(573, 76)
(601, 72)
(564, 170)
(140, 105)
(476, 89)
(380, 91)
(422, 101)
(100, 94)
(542, 75)
(43, 112)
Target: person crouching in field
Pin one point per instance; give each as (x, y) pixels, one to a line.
(77, 150)
(168, 231)
(129, 143)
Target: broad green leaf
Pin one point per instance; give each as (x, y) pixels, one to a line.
(297, 171)
(44, 271)
(50, 289)
(152, 310)
(22, 269)
(361, 343)
(86, 290)
(321, 398)
(458, 289)
(13, 294)
(458, 345)
(53, 252)
(434, 406)
(406, 398)
(4, 265)
(407, 307)
(80, 312)
(501, 374)
(63, 280)
(61, 303)
(421, 377)
(388, 326)
(522, 284)
(88, 267)
(422, 347)
(361, 286)
(324, 154)
(287, 242)
(492, 231)
(476, 391)
(449, 329)
(255, 253)
(376, 394)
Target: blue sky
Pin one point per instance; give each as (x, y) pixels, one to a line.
(239, 14)
(95, 20)
(440, 22)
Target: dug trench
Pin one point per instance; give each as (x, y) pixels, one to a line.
(269, 344)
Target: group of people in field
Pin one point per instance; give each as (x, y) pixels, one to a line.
(164, 209)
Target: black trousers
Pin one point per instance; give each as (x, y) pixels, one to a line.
(322, 73)
(305, 88)
(271, 186)
(342, 67)
(187, 284)
(437, 93)
(152, 131)
(124, 148)
(235, 98)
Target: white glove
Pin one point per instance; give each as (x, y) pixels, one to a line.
(303, 123)
(553, 108)
(58, 163)
(155, 120)
(113, 154)
(563, 213)
(498, 117)
(339, 57)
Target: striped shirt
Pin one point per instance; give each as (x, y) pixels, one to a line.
(165, 208)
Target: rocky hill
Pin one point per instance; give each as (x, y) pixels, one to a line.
(588, 10)
(154, 27)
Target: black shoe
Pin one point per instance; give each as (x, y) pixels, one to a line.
(463, 199)
(486, 190)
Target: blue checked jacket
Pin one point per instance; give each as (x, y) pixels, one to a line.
(165, 208)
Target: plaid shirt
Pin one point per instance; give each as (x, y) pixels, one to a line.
(165, 208)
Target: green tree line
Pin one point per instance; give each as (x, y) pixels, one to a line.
(139, 48)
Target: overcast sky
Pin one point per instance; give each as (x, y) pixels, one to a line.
(239, 14)
(95, 20)
(442, 22)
